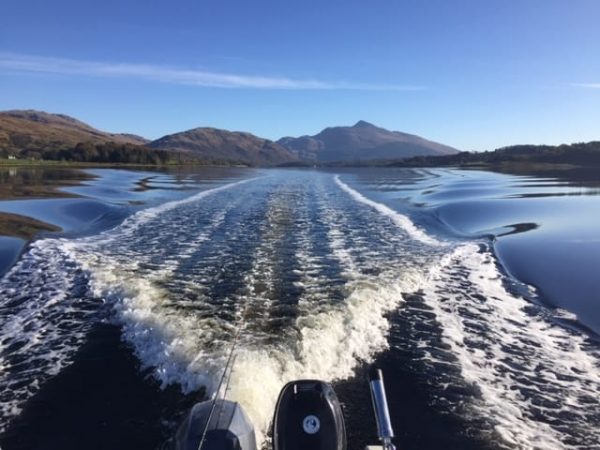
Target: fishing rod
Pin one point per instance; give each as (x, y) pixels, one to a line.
(226, 375)
(213, 406)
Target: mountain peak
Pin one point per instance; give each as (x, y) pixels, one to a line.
(360, 142)
(363, 124)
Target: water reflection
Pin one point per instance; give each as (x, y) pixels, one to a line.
(54, 199)
(545, 223)
(38, 182)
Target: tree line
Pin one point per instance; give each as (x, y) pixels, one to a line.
(584, 153)
(109, 152)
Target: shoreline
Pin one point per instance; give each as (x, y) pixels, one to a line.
(74, 164)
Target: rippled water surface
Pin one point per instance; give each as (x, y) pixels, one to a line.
(476, 292)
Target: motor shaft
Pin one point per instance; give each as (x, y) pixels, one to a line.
(385, 431)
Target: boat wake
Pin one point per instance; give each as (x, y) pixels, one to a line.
(535, 380)
(308, 270)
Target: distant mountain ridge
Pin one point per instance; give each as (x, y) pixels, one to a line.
(362, 142)
(31, 129)
(234, 146)
(37, 134)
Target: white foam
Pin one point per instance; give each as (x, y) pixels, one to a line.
(517, 352)
(329, 335)
(130, 224)
(331, 338)
(48, 272)
(560, 313)
(399, 219)
(42, 324)
(331, 343)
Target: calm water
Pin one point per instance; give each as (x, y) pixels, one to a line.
(476, 292)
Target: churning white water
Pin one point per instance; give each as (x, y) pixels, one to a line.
(308, 269)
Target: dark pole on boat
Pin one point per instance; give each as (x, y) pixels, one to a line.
(380, 407)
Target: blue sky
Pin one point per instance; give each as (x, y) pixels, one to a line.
(475, 74)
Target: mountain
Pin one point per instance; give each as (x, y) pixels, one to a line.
(40, 134)
(38, 130)
(221, 145)
(363, 141)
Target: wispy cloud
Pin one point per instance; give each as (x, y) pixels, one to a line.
(587, 85)
(174, 75)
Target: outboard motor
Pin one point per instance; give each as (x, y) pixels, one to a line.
(215, 425)
(308, 416)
